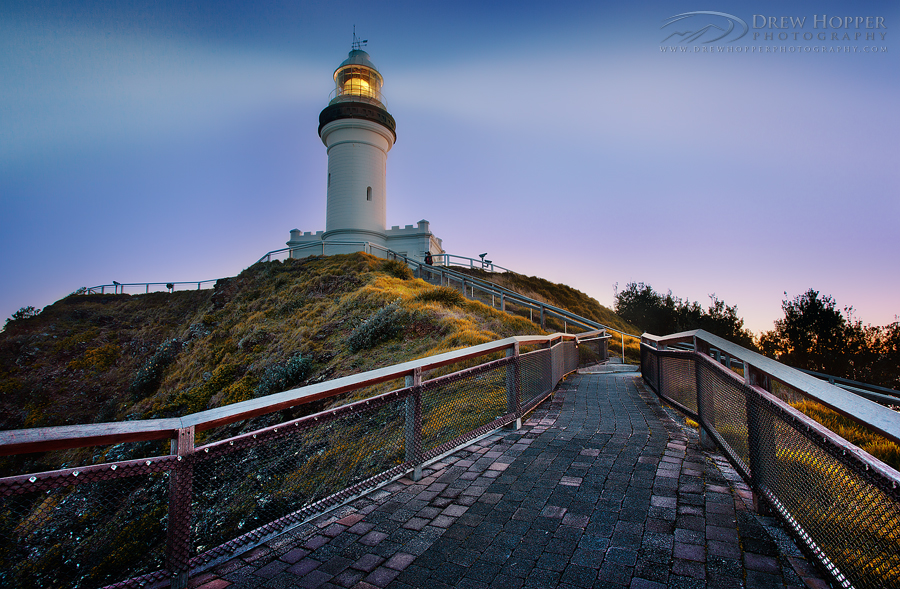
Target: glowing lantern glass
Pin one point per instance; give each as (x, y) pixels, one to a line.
(358, 78)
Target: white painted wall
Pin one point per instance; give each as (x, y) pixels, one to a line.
(357, 161)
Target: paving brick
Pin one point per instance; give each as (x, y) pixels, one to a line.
(372, 538)
(314, 579)
(292, 556)
(758, 562)
(639, 583)
(688, 568)
(348, 578)
(304, 566)
(213, 584)
(260, 553)
(693, 552)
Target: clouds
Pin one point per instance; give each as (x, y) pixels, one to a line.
(558, 138)
(76, 86)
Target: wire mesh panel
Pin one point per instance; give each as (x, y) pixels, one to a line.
(677, 381)
(284, 474)
(649, 366)
(845, 511)
(462, 405)
(556, 364)
(535, 378)
(569, 358)
(722, 405)
(84, 528)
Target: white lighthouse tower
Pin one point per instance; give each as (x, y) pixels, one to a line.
(358, 132)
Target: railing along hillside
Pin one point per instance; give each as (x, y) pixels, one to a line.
(439, 272)
(137, 522)
(147, 287)
(842, 503)
(325, 248)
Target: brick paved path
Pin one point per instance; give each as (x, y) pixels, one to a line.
(600, 488)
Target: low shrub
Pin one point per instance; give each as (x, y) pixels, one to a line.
(23, 313)
(443, 295)
(385, 324)
(148, 377)
(282, 377)
(397, 269)
(96, 359)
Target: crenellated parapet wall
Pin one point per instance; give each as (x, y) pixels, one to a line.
(411, 240)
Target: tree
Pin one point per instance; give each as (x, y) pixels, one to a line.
(723, 320)
(23, 313)
(813, 335)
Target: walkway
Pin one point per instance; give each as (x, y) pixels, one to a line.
(600, 488)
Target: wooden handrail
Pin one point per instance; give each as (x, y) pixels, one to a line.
(47, 439)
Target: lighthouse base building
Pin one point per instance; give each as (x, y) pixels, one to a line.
(412, 241)
(358, 132)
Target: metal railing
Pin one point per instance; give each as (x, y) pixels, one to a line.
(842, 503)
(147, 287)
(139, 521)
(466, 262)
(882, 395)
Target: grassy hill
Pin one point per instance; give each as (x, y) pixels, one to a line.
(277, 325)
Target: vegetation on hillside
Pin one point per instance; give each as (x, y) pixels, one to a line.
(89, 358)
(277, 325)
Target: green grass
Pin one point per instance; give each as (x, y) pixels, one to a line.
(873, 443)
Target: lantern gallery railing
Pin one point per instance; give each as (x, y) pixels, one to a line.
(842, 503)
(137, 519)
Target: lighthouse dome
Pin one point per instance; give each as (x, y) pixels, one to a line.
(358, 57)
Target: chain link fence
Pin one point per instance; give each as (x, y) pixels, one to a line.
(842, 504)
(136, 523)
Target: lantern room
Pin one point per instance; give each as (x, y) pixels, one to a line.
(356, 79)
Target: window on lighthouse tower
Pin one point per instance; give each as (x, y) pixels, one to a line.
(368, 193)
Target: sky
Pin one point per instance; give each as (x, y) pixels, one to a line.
(579, 141)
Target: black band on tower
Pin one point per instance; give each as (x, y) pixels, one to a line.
(357, 110)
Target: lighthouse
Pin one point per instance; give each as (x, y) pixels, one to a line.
(358, 132)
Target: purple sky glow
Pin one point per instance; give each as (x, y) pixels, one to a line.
(176, 141)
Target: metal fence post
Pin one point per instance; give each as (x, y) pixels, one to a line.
(502, 302)
(513, 386)
(659, 375)
(414, 423)
(542, 316)
(178, 534)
